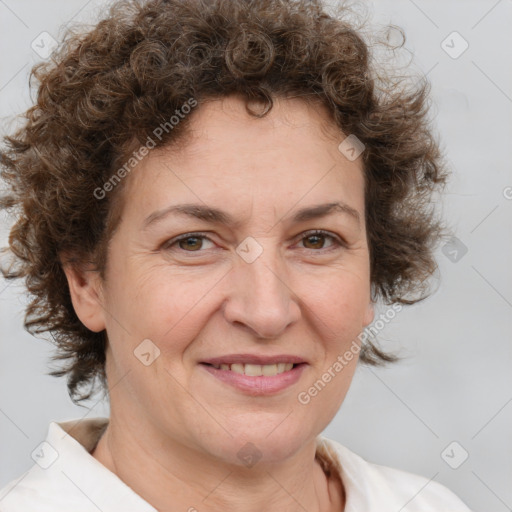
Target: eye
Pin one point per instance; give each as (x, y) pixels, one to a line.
(189, 242)
(194, 242)
(317, 238)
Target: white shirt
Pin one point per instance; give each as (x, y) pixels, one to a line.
(67, 478)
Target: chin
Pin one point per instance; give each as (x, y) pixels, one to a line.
(253, 444)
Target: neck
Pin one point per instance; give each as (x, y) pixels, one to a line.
(178, 477)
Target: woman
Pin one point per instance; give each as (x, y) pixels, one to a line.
(210, 197)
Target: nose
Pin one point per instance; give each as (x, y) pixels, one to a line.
(260, 298)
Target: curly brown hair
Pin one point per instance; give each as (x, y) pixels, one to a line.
(104, 91)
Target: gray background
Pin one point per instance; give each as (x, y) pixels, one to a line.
(456, 383)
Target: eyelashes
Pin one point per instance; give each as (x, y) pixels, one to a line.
(173, 244)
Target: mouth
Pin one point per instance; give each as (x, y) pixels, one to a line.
(256, 375)
(255, 370)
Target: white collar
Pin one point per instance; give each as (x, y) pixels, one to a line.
(67, 474)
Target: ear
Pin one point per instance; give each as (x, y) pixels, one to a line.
(369, 314)
(86, 294)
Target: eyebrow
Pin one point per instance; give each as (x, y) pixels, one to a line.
(217, 216)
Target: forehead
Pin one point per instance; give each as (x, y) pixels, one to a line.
(228, 155)
(227, 120)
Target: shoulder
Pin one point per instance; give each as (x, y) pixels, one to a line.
(66, 473)
(372, 486)
(34, 488)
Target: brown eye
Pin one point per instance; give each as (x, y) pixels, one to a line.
(316, 240)
(193, 243)
(189, 242)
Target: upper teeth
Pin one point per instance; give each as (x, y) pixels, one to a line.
(255, 370)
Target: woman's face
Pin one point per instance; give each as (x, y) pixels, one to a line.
(260, 287)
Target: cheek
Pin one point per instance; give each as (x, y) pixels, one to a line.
(154, 299)
(341, 303)
(172, 302)
(342, 309)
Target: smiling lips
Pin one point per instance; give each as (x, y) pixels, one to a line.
(256, 370)
(256, 375)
